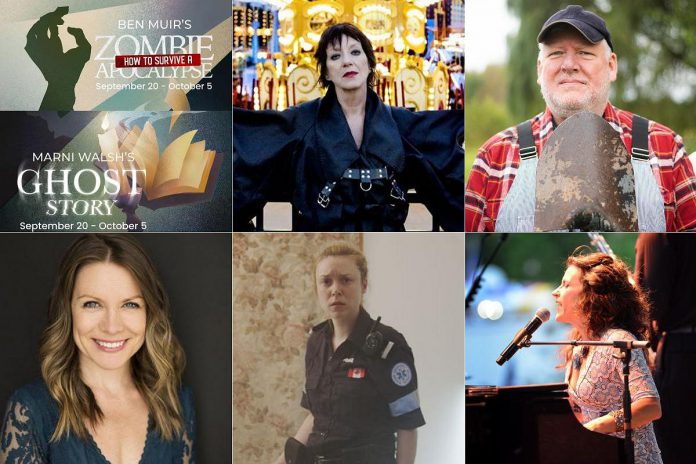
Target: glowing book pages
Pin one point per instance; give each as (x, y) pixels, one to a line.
(185, 172)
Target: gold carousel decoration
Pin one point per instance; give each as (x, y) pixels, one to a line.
(394, 27)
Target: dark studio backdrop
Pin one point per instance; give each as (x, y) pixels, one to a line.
(197, 273)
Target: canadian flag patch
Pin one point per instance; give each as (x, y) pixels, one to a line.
(356, 373)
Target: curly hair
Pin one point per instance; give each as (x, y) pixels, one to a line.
(332, 35)
(156, 367)
(609, 299)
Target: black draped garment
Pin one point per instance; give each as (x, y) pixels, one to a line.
(296, 154)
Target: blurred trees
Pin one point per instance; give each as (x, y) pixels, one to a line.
(486, 108)
(655, 41)
(541, 257)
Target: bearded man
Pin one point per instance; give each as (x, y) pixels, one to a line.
(575, 67)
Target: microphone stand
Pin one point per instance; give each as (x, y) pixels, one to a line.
(476, 283)
(625, 346)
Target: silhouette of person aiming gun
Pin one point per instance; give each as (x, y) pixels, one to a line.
(60, 69)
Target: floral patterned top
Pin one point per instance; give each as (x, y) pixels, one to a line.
(599, 390)
(31, 418)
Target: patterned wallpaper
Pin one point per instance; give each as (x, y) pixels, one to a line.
(274, 308)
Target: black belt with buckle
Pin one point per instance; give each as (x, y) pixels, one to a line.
(365, 177)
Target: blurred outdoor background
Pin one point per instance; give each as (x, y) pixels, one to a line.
(520, 279)
(655, 42)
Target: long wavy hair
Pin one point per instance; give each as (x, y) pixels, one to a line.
(156, 367)
(609, 299)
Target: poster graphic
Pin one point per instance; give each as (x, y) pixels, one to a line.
(116, 55)
(115, 171)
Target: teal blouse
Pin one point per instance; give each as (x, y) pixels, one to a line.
(31, 418)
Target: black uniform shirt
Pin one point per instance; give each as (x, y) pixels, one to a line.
(355, 398)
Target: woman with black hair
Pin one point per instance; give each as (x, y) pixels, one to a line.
(346, 160)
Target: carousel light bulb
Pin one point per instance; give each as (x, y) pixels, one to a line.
(414, 13)
(285, 14)
(375, 8)
(286, 40)
(329, 10)
(399, 45)
(377, 38)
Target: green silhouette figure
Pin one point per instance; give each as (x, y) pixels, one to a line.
(61, 70)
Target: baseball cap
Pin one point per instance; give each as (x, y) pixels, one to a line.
(591, 26)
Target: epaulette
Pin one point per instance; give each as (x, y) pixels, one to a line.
(387, 349)
(392, 340)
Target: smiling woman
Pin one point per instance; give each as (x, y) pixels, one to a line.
(107, 320)
(111, 366)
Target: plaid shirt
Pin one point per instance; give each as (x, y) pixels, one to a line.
(498, 159)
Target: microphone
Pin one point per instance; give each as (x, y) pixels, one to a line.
(542, 315)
